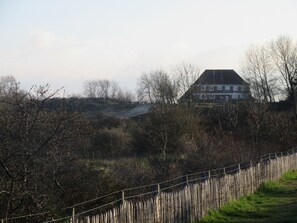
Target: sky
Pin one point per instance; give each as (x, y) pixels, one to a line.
(65, 43)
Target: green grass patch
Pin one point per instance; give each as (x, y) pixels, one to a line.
(272, 202)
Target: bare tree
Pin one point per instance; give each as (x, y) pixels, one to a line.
(114, 90)
(258, 69)
(100, 89)
(8, 86)
(284, 55)
(37, 153)
(104, 87)
(185, 75)
(125, 96)
(144, 88)
(164, 88)
(157, 87)
(90, 89)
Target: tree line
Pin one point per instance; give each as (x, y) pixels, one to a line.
(156, 86)
(271, 69)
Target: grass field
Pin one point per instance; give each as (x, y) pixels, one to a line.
(272, 202)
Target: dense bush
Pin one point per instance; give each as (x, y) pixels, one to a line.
(111, 143)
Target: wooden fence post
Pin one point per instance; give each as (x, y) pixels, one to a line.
(159, 205)
(187, 180)
(251, 175)
(238, 187)
(73, 215)
(123, 196)
(270, 168)
(123, 214)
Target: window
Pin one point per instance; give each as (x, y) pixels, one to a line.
(203, 88)
(227, 88)
(210, 96)
(211, 88)
(239, 88)
(234, 88)
(219, 87)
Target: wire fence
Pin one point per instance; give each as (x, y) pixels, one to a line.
(183, 199)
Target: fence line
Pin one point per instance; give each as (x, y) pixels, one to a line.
(187, 198)
(197, 195)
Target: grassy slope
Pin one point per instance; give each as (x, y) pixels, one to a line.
(273, 202)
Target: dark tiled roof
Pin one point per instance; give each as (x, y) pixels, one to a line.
(219, 77)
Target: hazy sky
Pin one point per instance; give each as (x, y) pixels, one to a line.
(66, 42)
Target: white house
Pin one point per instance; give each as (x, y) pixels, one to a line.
(218, 85)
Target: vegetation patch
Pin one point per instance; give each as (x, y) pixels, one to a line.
(272, 202)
